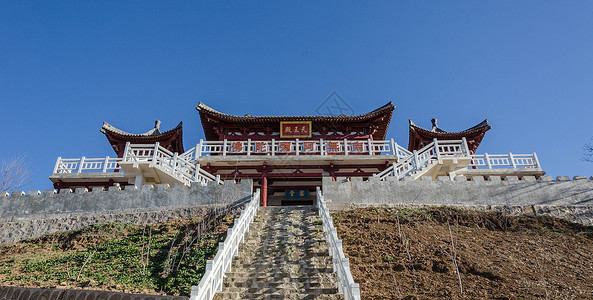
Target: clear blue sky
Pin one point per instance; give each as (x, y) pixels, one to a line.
(65, 67)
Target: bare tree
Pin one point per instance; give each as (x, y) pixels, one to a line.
(14, 172)
(588, 149)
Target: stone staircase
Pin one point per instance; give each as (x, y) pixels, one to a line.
(284, 256)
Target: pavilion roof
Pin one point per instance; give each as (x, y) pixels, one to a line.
(473, 135)
(211, 117)
(171, 139)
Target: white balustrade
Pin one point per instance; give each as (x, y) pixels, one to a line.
(504, 161)
(439, 149)
(295, 147)
(211, 282)
(346, 284)
(182, 168)
(86, 165)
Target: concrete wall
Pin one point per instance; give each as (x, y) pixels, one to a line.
(20, 293)
(35, 214)
(477, 191)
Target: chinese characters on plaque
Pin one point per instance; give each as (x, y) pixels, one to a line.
(295, 129)
(297, 194)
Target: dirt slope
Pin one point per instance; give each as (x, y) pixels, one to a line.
(408, 254)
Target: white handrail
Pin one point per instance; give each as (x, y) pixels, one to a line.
(178, 165)
(86, 165)
(211, 282)
(295, 147)
(419, 159)
(341, 264)
(499, 161)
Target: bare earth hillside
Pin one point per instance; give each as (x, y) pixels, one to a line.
(443, 253)
(394, 254)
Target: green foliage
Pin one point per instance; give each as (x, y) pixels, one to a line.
(164, 258)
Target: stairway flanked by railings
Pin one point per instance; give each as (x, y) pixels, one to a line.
(284, 256)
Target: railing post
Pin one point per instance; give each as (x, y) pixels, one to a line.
(436, 148)
(512, 160)
(224, 147)
(175, 162)
(105, 164)
(393, 148)
(248, 147)
(321, 148)
(536, 160)
(80, 164)
(199, 149)
(155, 154)
(487, 158)
(296, 146)
(345, 147)
(197, 175)
(371, 152)
(466, 150)
(126, 151)
(416, 161)
(57, 165)
(273, 149)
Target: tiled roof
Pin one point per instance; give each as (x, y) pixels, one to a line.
(474, 135)
(210, 117)
(173, 137)
(257, 119)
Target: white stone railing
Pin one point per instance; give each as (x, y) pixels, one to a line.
(86, 165)
(503, 161)
(183, 169)
(173, 163)
(423, 157)
(341, 264)
(211, 282)
(296, 147)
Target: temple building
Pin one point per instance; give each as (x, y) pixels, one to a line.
(290, 154)
(420, 137)
(288, 157)
(171, 140)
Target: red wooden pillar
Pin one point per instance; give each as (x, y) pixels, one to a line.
(264, 189)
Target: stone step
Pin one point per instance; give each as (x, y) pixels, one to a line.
(233, 296)
(271, 283)
(280, 290)
(293, 269)
(279, 275)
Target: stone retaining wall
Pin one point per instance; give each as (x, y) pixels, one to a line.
(20, 293)
(35, 214)
(37, 225)
(563, 197)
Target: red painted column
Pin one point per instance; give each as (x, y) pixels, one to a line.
(264, 188)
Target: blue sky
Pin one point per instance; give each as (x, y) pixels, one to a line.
(65, 67)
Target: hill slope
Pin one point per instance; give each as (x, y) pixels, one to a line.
(408, 254)
(164, 258)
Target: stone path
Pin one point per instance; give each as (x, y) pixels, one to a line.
(284, 256)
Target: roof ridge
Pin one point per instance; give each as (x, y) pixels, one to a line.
(153, 132)
(203, 107)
